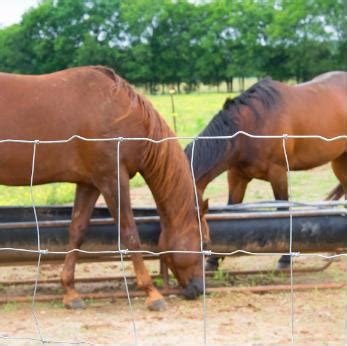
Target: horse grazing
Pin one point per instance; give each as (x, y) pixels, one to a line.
(270, 107)
(94, 102)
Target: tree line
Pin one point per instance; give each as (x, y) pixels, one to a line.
(161, 42)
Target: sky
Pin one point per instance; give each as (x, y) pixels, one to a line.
(11, 10)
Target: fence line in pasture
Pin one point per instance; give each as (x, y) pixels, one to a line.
(122, 252)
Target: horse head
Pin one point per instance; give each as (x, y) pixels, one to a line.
(185, 259)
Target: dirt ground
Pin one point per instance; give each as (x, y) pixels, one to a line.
(232, 318)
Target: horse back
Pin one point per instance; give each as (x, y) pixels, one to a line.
(316, 108)
(319, 106)
(79, 101)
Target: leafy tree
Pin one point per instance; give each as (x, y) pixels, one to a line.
(155, 42)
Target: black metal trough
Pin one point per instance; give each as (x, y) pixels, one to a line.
(256, 228)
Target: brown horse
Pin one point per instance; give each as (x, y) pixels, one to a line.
(336, 193)
(94, 102)
(272, 108)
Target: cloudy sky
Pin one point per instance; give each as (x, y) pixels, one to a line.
(12, 10)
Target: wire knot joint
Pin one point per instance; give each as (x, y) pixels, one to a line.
(124, 252)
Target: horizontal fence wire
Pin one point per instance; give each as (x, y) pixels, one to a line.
(202, 251)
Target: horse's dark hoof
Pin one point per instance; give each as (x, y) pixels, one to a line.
(76, 304)
(283, 265)
(157, 305)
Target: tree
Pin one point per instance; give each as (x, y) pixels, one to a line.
(304, 38)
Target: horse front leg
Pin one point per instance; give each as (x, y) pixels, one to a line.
(277, 176)
(131, 240)
(237, 184)
(279, 183)
(85, 199)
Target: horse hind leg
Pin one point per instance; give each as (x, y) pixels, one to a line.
(85, 199)
(336, 193)
(279, 183)
(339, 167)
(131, 240)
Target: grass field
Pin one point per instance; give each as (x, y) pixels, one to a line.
(194, 111)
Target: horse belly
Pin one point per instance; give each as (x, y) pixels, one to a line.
(310, 153)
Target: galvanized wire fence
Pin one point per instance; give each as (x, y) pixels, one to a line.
(122, 252)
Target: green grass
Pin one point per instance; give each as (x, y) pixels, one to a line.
(312, 185)
(194, 111)
(43, 195)
(9, 306)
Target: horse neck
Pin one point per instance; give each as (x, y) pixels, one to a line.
(167, 173)
(207, 166)
(164, 165)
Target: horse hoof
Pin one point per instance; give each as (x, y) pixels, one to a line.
(282, 266)
(76, 304)
(157, 305)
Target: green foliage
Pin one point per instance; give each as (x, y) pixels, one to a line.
(153, 42)
(306, 37)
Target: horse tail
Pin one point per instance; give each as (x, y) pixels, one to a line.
(335, 194)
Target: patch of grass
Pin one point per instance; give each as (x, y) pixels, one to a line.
(90, 301)
(220, 275)
(9, 306)
(158, 281)
(306, 186)
(194, 111)
(137, 181)
(56, 304)
(43, 195)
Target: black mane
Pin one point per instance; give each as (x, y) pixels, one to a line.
(264, 91)
(208, 152)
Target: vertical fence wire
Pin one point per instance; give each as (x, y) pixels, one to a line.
(292, 307)
(121, 251)
(201, 245)
(37, 277)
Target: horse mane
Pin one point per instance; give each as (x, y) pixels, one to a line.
(165, 167)
(262, 96)
(264, 91)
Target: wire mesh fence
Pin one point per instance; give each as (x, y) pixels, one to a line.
(204, 252)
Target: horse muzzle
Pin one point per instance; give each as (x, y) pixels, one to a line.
(194, 288)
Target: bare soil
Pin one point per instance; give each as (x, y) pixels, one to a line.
(232, 318)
